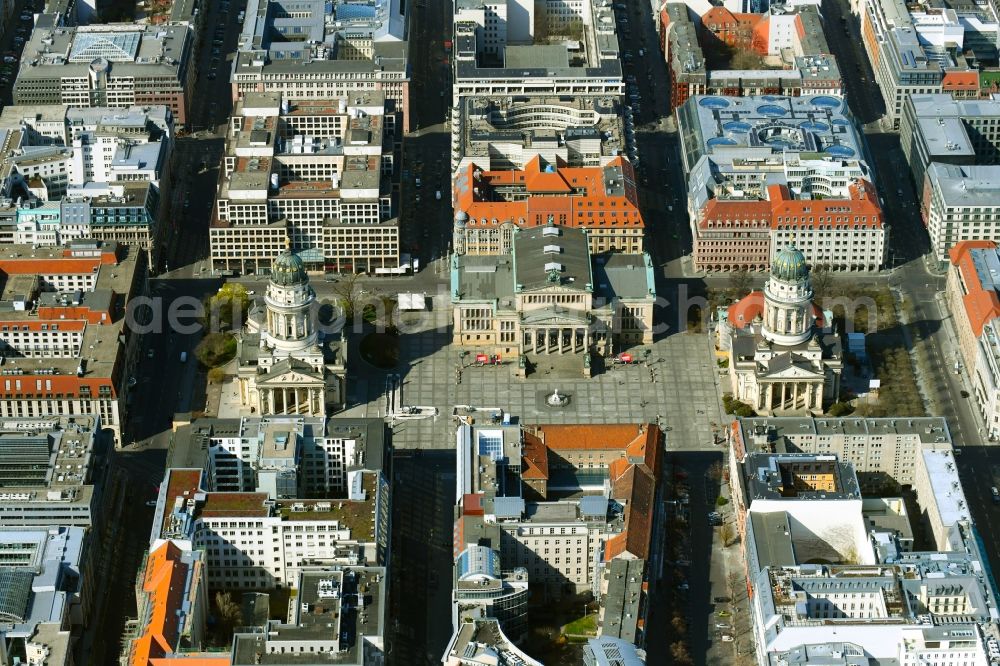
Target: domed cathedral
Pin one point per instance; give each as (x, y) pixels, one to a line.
(781, 358)
(286, 365)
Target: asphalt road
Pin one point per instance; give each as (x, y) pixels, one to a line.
(979, 469)
(420, 595)
(15, 29)
(844, 39)
(695, 603)
(425, 220)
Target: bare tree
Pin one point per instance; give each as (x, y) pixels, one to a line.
(726, 533)
(740, 283)
(229, 611)
(681, 653)
(822, 281)
(347, 293)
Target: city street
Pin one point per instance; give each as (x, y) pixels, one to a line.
(420, 608)
(426, 221)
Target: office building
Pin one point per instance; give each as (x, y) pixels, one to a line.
(938, 128)
(172, 611)
(118, 65)
(315, 172)
(324, 51)
(481, 589)
(315, 455)
(49, 472)
(881, 450)
(570, 506)
(953, 149)
(491, 205)
(917, 49)
(821, 561)
(47, 594)
(550, 297)
(765, 172)
(69, 351)
(505, 134)
(339, 617)
(513, 48)
(960, 204)
(482, 642)
(780, 357)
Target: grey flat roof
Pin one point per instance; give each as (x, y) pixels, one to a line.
(624, 275)
(772, 536)
(484, 277)
(966, 185)
(536, 56)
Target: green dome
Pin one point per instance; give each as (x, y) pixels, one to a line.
(790, 265)
(288, 270)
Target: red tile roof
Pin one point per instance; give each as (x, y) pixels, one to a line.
(743, 312)
(164, 581)
(534, 458)
(575, 196)
(982, 304)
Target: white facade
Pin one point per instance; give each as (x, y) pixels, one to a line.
(960, 203)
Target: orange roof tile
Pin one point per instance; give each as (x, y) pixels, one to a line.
(574, 196)
(960, 80)
(589, 436)
(743, 312)
(163, 581)
(981, 303)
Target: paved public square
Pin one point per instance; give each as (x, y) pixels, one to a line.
(677, 384)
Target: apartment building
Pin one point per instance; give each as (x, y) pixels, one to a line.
(549, 296)
(916, 49)
(603, 200)
(112, 65)
(325, 51)
(315, 172)
(511, 48)
(568, 505)
(881, 450)
(50, 295)
(505, 134)
(795, 33)
(97, 173)
(974, 301)
(766, 172)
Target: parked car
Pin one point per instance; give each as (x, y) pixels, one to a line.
(9, 59)
(996, 495)
(722, 600)
(726, 638)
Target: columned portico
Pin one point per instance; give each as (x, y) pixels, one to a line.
(555, 339)
(790, 395)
